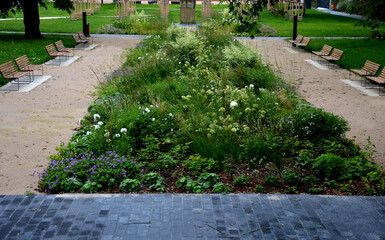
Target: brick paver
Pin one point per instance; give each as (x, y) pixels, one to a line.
(190, 216)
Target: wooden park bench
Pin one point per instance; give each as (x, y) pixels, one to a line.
(298, 39)
(380, 80)
(9, 71)
(304, 43)
(369, 69)
(25, 66)
(83, 37)
(325, 51)
(52, 52)
(78, 40)
(60, 47)
(335, 56)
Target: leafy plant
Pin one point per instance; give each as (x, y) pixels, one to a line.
(272, 181)
(221, 188)
(259, 189)
(329, 166)
(291, 178)
(315, 190)
(90, 187)
(311, 180)
(241, 181)
(197, 164)
(208, 180)
(155, 182)
(130, 185)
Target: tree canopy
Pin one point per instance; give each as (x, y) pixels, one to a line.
(30, 10)
(372, 10)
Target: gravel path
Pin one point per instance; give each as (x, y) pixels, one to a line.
(33, 124)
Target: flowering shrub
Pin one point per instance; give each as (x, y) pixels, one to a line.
(87, 172)
(110, 29)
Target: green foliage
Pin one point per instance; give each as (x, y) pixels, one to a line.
(292, 189)
(331, 184)
(310, 123)
(371, 10)
(259, 189)
(272, 181)
(130, 185)
(197, 164)
(330, 166)
(291, 178)
(221, 188)
(237, 55)
(241, 181)
(315, 190)
(311, 180)
(90, 187)
(155, 182)
(208, 180)
(183, 181)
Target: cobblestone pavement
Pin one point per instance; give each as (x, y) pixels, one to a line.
(190, 216)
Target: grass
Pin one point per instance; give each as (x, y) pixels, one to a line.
(14, 45)
(357, 51)
(102, 17)
(316, 24)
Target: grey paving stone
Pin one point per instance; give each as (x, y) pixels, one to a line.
(185, 216)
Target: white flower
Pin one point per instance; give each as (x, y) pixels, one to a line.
(123, 130)
(233, 104)
(100, 123)
(89, 133)
(251, 85)
(147, 110)
(170, 114)
(117, 135)
(234, 130)
(96, 116)
(107, 134)
(153, 119)
(276, 103)
(96, 127)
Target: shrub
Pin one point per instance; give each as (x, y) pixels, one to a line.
(197, 164)
(291, 178)
(155, 182)
(315, 190)
(310, 123)
(311, 180)
(241, 181)
(329, 166)
(271, 181)
(208, 180)
(259, 189)
(130, 185)
(221, 188)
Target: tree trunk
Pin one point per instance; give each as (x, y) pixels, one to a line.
(31, 18)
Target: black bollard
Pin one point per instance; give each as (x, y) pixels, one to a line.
(295, 28)
(85, 23)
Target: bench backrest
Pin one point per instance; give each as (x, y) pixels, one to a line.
(298, 38)
(326, 49)
(22, 62)
(371, 67)
(82, 36)
(382, 74)
(305, 41)
(59, 45)
(51, 50)
(337, 54)
(7, 69)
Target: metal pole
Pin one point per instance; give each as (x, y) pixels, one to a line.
(85, 23)
(295, 28)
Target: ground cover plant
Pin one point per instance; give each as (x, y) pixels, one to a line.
(13, 46)
(200, 112)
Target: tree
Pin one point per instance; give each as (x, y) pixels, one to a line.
(30, 10)
(248, 17)
(373, 12)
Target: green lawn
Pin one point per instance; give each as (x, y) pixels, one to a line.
(316, 24)
(357, 51)
(14, 45)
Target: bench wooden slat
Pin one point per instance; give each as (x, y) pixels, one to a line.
(298, 39)
(51, 50)
(335, 56)
(304, 42)
(9, 71)
(325, 51)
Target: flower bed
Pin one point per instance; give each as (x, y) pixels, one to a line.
(200, 112)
